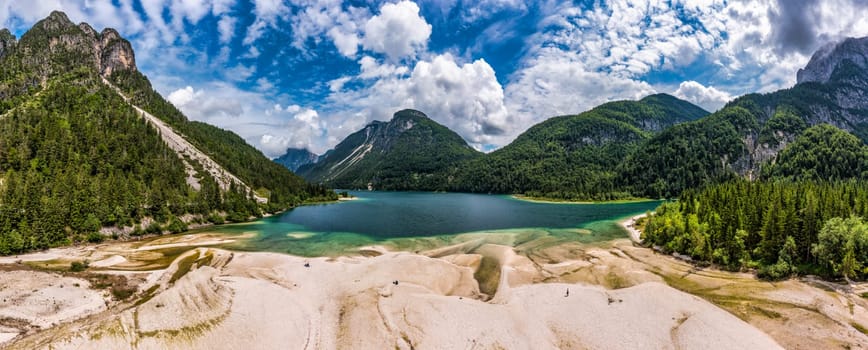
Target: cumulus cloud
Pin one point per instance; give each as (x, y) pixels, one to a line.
(557, 83)
(302, 130)
(578, 57)
(183, 96)
(328, 19)
(465, 97)
(373, 69)
(709, 98)
(254, 116)
(398, 31)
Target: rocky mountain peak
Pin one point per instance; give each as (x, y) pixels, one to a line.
(87, 29)
(7, 41)
(408, 114)
(77, 45)
(57, 20)
(830, 57)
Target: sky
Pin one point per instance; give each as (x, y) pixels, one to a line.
(307, 73)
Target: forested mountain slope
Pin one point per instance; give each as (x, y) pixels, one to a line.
(409, 152)
(575, 156)
(76, 157)
(751, 131)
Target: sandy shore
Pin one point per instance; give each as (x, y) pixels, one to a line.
(629, 224)
(398, 300)
(479, 292)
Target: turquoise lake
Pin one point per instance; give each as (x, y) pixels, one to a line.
(408, 219)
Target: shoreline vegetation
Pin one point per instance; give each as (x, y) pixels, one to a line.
(547, 200)
(780, 229)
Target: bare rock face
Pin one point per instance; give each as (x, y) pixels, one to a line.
(7, 42)
(107, 52)
(116, 53)
(827, 59)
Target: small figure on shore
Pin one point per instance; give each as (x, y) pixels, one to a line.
(306, 264)
(395, 282)
(568, 293)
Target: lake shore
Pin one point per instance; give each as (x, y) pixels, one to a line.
(390, 300)
(629, 224)
(565, 201)
(569, 294)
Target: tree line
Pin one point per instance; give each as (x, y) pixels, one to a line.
(780, 228)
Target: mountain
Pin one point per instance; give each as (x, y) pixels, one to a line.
(821, 153)
(295, 158)
(830, 57)
(575, 156)
(753, 130)
(87, 146)
(409, 152)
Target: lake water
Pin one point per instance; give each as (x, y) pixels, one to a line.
(404, 219)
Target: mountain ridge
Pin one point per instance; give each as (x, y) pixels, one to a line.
(410, 151)
(660, 145)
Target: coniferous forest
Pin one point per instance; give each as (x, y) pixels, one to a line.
(76, 158)
(781, 228)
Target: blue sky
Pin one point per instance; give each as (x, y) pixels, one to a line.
(306, 73)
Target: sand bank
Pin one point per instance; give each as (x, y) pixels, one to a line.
(485, 291)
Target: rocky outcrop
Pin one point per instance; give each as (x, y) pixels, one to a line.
(831, 56)
(116, 53)
(107, 52)
(7, 42)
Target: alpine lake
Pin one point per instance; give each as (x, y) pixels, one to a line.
(424, 220)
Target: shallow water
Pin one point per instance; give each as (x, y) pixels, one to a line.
(417, 220)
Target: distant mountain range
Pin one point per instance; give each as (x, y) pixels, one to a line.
(654, 147)
(295, 158)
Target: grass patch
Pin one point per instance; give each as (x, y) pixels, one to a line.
(864, 295)
(147, 295)
(615, 282)
(488, 275)
(184, 266)
(123, 292)
(859, 327)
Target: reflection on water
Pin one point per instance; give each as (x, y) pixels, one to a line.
(418, 221)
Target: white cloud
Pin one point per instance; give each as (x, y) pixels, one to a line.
(709, 98)
(239, 73)
(226, 27)
(347, 43)
(327, 18)
(398, 31)
(337, 84)
(557, 83)
(267, 13)
(302, 130)
(465, 97)
(182, 97)
(191, 10)
(372, 69)
(253, 116)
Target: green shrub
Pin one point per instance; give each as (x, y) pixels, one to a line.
(95, 237)
(78, 266)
